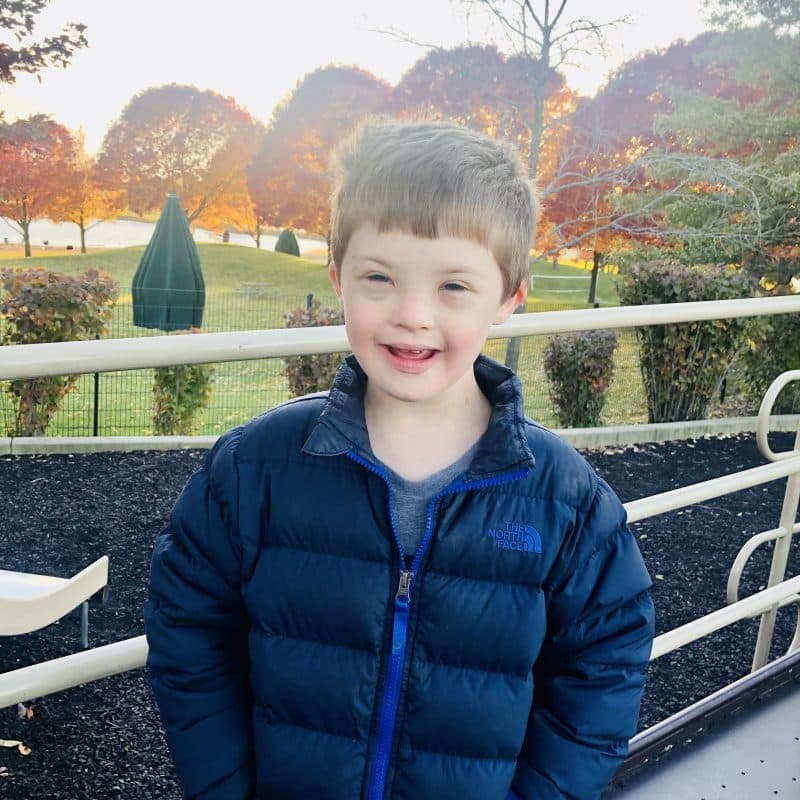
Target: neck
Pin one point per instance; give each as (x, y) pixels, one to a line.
(418, 439)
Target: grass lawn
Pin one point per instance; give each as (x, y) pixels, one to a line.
(243, 389)
(569, 286)
(225, 267)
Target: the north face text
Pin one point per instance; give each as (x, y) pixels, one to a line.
(516, 536)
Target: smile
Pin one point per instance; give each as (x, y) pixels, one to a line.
(413, 353)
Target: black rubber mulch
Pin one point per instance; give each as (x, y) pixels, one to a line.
(104, 740)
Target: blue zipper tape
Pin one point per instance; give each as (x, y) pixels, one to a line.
(402, 603)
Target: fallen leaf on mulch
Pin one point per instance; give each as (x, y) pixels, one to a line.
(25, 751)
(23, 711)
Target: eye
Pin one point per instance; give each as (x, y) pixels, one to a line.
(377, 277)
(452, 286)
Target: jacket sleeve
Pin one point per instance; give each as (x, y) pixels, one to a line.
(590, 674)
(196, 630)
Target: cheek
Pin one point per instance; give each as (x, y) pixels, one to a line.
(357, 318)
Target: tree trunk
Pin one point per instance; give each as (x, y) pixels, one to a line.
(82, 226)
(26, 237)
(537, 129)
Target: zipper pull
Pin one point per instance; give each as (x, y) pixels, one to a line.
(404, 587)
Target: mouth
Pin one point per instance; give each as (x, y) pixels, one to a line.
(411, 353)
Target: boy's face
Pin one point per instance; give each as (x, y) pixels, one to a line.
(417, 312)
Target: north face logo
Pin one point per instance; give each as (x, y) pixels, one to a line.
(516, 536)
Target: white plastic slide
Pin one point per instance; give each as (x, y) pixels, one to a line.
(29, 602)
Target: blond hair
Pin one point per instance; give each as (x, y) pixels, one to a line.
(434, 179)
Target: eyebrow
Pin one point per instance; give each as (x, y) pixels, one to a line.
(376, 259)
(455, 269)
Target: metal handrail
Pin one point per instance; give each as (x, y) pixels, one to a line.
(746, 551)
(105, 355)
(656, 504)
(750, 607)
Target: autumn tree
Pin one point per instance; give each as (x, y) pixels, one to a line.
(35, 158)
(544, 33)
(484, 89)
(18, 18)
(542, 37)
(180, 140)
(611, 142)
(233, 207)
(84, 200)
(254, 223)
(288, 177)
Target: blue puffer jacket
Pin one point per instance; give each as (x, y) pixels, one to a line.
(294, 652)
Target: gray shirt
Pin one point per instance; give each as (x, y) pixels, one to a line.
(411, 500)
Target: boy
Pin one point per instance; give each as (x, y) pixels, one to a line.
(403, 589)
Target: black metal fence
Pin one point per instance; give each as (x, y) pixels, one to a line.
(121, 403)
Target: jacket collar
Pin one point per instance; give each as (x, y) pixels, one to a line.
(341, 426)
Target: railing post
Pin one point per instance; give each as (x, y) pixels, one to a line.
(96, 409)
(512, 348)
(780, 558)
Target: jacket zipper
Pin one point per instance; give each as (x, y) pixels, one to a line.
(402, 604)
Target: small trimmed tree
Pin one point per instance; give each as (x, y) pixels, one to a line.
(180, 394)
(683, 365)
(307, 374)
(39, 306)
(287, 243)
(579, 369)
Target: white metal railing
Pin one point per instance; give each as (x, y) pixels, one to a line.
(26, 361)
(106, 355)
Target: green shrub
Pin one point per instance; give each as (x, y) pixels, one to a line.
(774, 348)
(307, 374)
(180, 394)
(683, 365)
(579, 369)
(287, 243)
(37, 307)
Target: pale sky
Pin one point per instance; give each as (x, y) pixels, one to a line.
(257, 50)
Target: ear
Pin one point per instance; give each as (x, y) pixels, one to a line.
(333, 274)
(508, 305)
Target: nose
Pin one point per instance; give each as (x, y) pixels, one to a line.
(412, 311)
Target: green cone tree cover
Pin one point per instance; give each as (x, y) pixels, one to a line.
(168, 289)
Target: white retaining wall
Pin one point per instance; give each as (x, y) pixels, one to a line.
(581, 438)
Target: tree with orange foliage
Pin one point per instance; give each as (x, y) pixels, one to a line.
(694, 150)
(481, 88)
(538, 104)
(613, 144)
(84, 200)
(543, 33)
(180, 140)
(253, 224)
(288, 177)
(35, 158)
